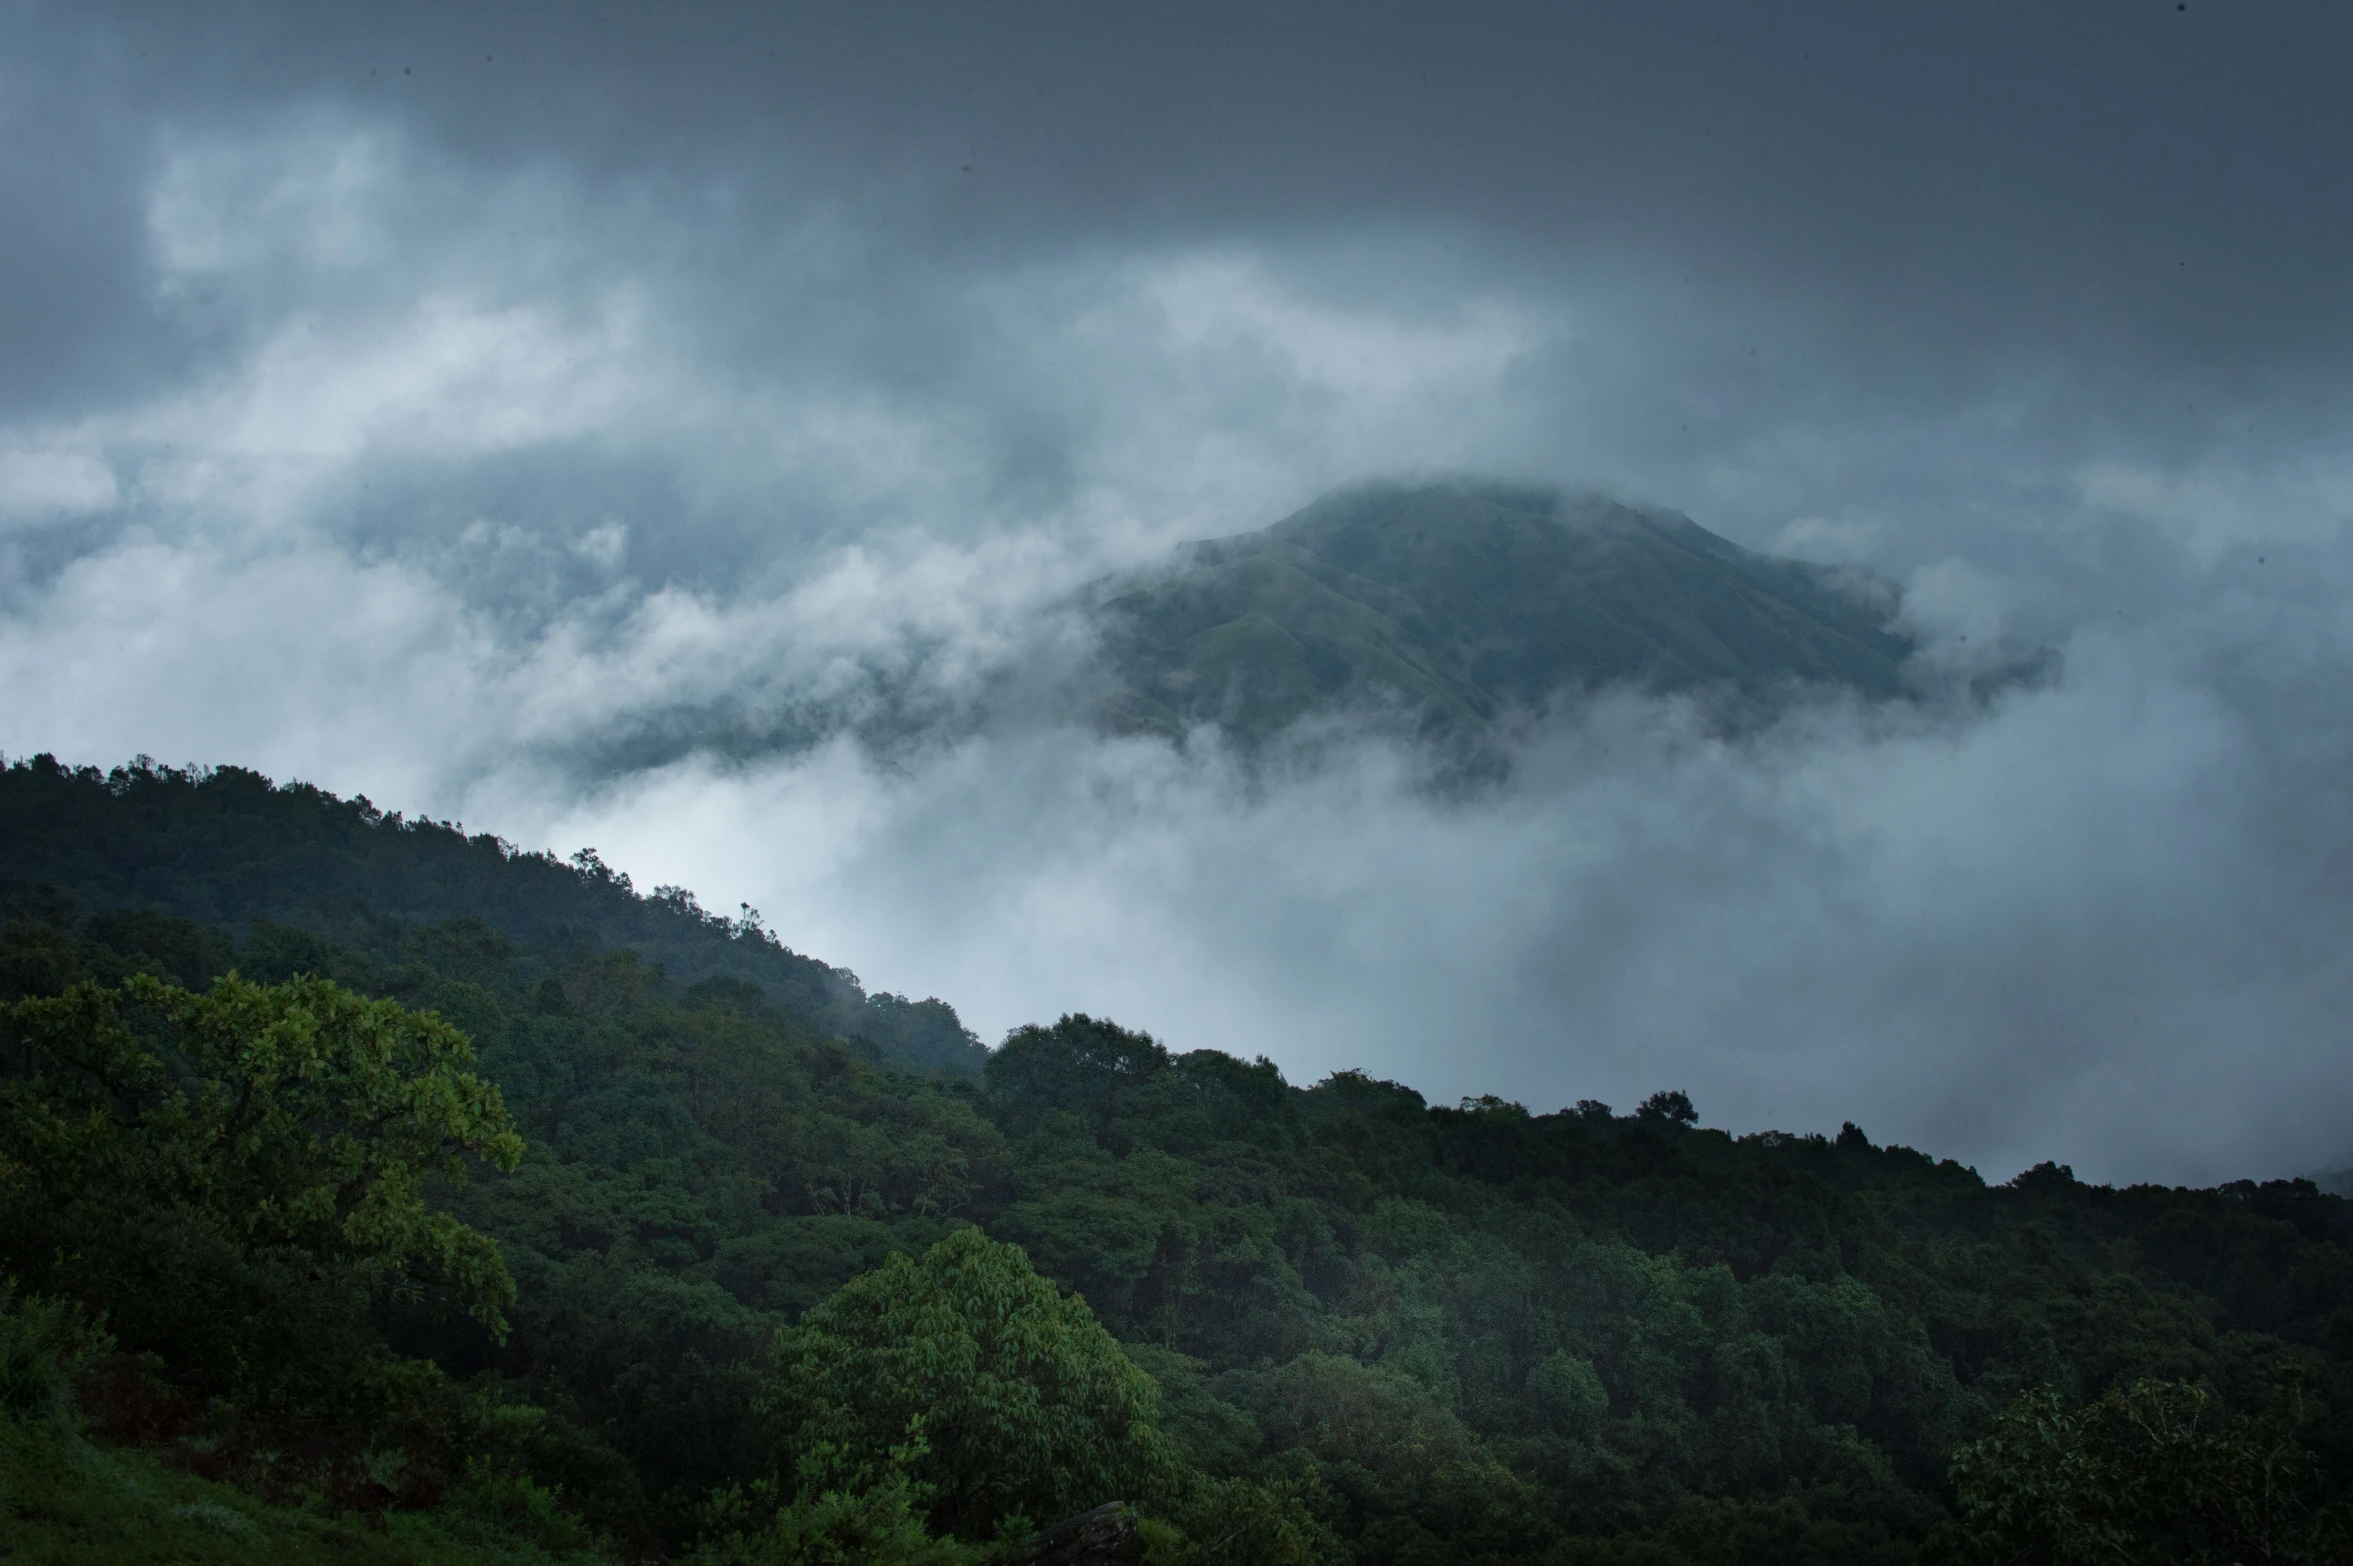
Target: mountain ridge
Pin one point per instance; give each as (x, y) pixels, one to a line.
(1457, 604)
(227, 847)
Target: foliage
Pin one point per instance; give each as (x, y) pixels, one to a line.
(1378, 1330)
(1024, 1404)
(64, 1502)
(45, 1345)
(250, 1153)
(826, 1523)
(1080, 1066)
(225, 848)
(2150, 1472)
(1241, 1522)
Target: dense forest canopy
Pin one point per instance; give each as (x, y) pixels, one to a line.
(491, 1196)
(227, 848)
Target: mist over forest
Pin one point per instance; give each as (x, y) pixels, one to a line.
(1527, 558)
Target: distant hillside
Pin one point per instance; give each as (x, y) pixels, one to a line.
(226, 848)
(1456, 604)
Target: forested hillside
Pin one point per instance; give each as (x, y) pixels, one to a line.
(228, 849)
(718, 1277)
(1455, 605)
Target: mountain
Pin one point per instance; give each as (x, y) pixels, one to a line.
(229, 849)
(1460, 604)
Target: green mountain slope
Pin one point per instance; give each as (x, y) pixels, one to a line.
(1457, 604)
(226, 848)
(1470, 1333)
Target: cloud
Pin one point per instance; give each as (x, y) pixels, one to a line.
(2064, 929)
(298, 661)
(1827, 540)
(648, 434)
(2092, 924)
(2290, 499)
(41, 486)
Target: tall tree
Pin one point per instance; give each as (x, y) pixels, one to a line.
(236, 1176)
(1014, 1398)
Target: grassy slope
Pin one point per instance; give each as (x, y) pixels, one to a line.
(66, 1502)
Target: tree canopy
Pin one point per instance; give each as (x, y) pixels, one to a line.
(203, 1163)
(1364, 1327)
(1020, 1401)
(2152, 1471)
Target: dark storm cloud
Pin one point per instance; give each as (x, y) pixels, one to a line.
(73, 318)
(571, 417)
(2121, 227)
(2145, 179)
(2135, 211)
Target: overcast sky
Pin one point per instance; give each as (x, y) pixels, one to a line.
(538, 416)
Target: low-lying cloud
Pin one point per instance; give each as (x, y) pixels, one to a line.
(2099, 921)
(719, 508)
(2071, 928)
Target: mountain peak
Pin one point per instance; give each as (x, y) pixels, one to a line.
(1456, 603)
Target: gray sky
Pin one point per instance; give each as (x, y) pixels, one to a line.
(530, 413)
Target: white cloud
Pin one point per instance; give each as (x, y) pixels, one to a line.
(2031, 936)
(361, 677)
(446, 380)
(39, 486)
(1831, 541)
(2213, 505)
(315, 190)
(1225, 304)
(604, 544)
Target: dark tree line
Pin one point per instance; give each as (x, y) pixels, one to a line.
(1287, 1323)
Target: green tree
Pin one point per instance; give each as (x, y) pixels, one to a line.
(235, 1176)
(1082, 1064)
(1012, 1399)
(825, 1523)
(2148, 1473)
(44, 1347)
